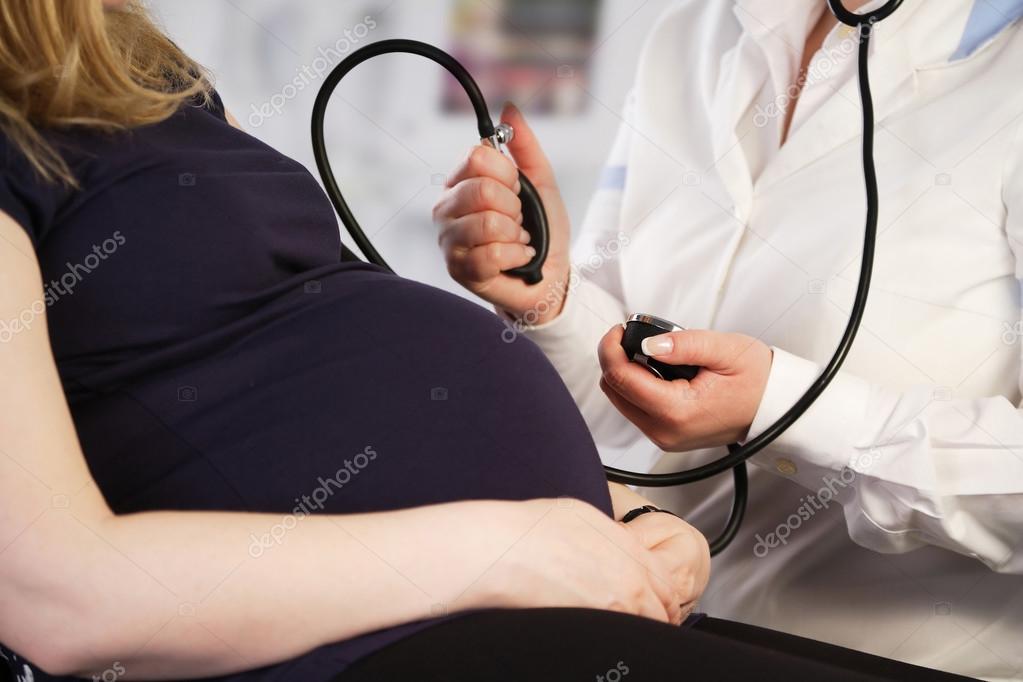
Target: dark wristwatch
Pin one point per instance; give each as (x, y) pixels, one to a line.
(645, 509)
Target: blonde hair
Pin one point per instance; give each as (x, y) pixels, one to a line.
(70, 63)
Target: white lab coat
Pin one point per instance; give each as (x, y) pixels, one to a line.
(890, 518)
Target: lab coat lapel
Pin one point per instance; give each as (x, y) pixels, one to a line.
(839, 119)
(738, 85)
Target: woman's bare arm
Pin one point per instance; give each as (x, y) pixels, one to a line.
(179, 594)
(82, 586)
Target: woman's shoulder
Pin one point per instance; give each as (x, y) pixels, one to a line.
(211, 101)
(26, 195)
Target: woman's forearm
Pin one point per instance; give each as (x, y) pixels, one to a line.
(624, 499)
(179, 594)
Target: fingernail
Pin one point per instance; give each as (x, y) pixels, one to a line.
(519, 219)
(524, 237)
(517, 187)
(657, 345)
(530, 251)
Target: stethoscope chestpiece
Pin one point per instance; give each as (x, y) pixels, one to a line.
(641, 326)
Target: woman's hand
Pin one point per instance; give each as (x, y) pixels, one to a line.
(682, 548)
(567, 553)
(715, 408)
(479, 216)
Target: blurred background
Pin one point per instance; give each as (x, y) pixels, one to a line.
(397, 125)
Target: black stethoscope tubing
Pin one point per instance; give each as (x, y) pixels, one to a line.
(737, 454)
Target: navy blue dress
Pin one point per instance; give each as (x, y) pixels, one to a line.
(217, 354)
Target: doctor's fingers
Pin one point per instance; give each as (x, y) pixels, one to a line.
(485, 161)
(481, 228)
(647, 424)
(474, 195)
(633, 382)
(484, 263)
(668, 427)
(700, 347)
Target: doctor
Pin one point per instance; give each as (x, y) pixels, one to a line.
(890, 518)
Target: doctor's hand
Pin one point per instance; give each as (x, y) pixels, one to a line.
(715, 408)
(479, 216)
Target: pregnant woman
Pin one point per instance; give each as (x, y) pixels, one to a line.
(229, 450)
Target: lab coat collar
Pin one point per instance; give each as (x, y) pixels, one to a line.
(777, 18)
(775, 27)
(911, 39)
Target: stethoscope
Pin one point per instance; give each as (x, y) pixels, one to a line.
(638, 326)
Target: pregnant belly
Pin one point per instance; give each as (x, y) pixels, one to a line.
(360, 392)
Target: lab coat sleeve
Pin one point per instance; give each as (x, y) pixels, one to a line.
(594, 301)
(915, 467)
